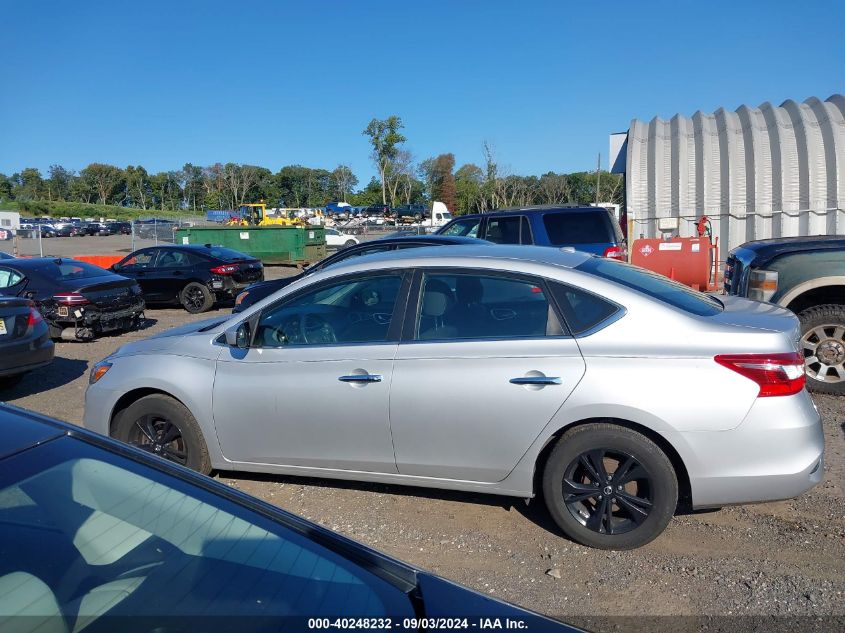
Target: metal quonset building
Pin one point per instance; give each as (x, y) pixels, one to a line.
(756, 172)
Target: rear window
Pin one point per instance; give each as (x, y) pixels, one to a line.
(653, 285)
(70, 270)
(227, 254)
(588, 227)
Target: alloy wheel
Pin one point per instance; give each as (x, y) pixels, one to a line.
(608, 491)
(824, 352)
(194, 298)
(161, 437)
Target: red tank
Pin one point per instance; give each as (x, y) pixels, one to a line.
(693, 261)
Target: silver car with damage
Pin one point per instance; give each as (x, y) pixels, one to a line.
(615, 393)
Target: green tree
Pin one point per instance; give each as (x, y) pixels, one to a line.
(5, 188)
(104, 178)
(384, 137)
(469, 180)
(58, 184)
(343, 182)
(28, 184)
(138, 189)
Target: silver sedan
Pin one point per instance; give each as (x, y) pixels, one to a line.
(616, 394)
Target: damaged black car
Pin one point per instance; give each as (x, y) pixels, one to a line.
(79, 301)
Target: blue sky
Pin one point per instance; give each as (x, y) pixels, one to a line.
(276, 83)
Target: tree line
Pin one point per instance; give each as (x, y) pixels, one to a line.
(401, 179)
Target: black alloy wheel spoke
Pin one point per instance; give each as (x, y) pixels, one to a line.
(593, 462)
(573, 491)
(174, 455)
(634, 473)
(637, 514)
(147, 429)
(171, 432)
(597, 519)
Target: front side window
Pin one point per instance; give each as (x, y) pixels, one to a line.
(477, 306)
(463, 228)
(357, 310)
(86, 535)
(143, 259)
(172, 258)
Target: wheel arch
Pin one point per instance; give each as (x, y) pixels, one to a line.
(825, 290)
(131, 397)
(684, 485)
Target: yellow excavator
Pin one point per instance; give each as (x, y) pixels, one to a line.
(256, 215)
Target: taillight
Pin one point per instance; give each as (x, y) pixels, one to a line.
(615, 252)
(226, 269)
(776, 374)
(70, 299)
(34, 317)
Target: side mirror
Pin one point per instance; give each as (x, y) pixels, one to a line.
(239, 336)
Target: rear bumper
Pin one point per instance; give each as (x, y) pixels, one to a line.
(95, 319)
(19, 358)
(227, 286)
(776, 453)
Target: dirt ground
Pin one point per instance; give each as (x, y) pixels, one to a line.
(776, 559)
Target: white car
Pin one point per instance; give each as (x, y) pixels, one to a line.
(336, 239)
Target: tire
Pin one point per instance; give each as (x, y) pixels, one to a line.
(650, 499)
(823, 346)
(196, 297)
(157, 416)
(349, 243)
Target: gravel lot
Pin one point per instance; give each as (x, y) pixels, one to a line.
(777, 559)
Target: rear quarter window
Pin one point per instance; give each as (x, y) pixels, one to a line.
(653, 285)
(581, 310)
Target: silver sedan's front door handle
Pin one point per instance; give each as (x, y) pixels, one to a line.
(360, 378)
(536, 380)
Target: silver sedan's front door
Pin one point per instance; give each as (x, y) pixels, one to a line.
(313, 390)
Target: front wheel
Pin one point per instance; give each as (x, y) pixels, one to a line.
(349, 243)
(196, 298)
(609, 487)
(823, 345)
(163, 426)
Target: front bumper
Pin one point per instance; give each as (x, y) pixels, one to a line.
(776, 453)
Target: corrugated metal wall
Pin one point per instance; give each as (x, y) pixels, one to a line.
(757, 172)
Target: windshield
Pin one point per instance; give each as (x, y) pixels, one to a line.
(80, 526)
(653, 285)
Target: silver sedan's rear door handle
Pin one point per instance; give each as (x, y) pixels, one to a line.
(360, 378)
(536, 380)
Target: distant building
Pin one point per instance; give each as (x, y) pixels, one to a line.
(757, 172)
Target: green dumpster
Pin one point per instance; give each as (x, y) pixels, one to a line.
(271, 244)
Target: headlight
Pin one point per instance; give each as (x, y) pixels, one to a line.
(98, 371)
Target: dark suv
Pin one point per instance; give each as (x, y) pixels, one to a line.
(376, 211)
(415, 211)
(590, 229)
(806, 275)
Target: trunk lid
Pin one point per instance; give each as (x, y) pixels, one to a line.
(757, 315)
(106, 292)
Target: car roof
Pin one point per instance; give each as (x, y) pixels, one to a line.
(466, 255)
(539, 207)
(432, 239)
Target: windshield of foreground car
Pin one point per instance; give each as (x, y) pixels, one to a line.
(98, 535)
(653, 284)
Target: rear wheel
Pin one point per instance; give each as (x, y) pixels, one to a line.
(196, 298)
(165, 427)
(609, 487)
(349, 243)
(823, 345)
